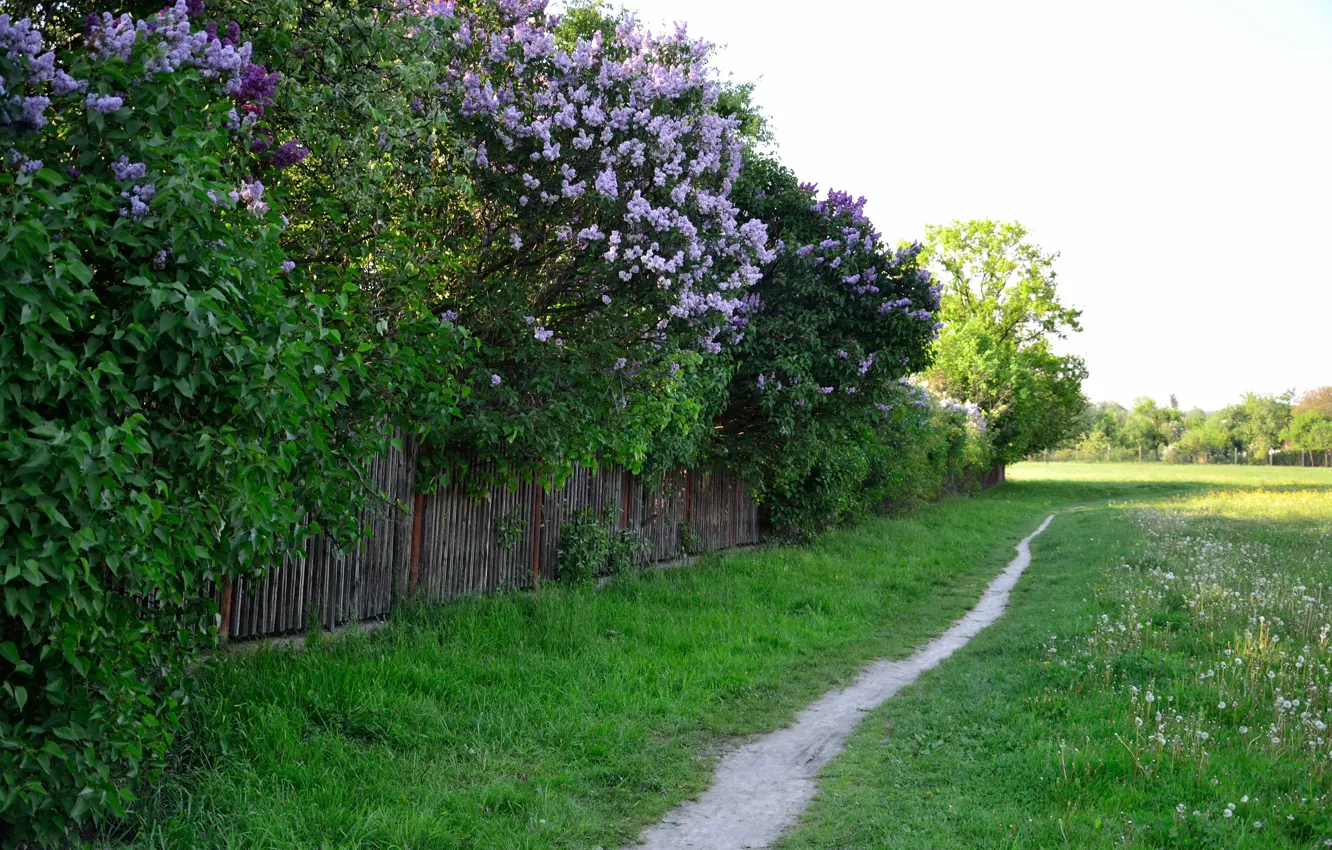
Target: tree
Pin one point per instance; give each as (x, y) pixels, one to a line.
(1310, 430)
(1259, 420)
(1141, 431)
(1204, 435)
(1315, 399)
(558, 189)
(1001, 311)
(1104, 419)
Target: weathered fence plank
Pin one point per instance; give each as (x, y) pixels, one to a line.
(446, 544)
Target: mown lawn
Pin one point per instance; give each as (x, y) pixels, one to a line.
(1162, 680)
(571, 717)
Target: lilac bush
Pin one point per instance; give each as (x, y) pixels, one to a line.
(171, 406)
(602, 230)
(838, 318)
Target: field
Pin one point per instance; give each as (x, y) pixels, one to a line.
(572, 717)
(1162, 680)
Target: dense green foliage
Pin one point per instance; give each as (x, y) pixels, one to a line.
(1252, 431)
(167, 410)
(1002, 313)
(816, 414)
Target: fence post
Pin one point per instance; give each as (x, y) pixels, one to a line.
(626, 484)
(689, 487)
(224, 609)
(536, 536)
(735, 512)
(418, 508)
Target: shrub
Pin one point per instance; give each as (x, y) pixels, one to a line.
(591, 546)
(836, 321)
(164, 388)
(557, 188)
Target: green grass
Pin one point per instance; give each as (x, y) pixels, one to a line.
(1121, 476)
(575, 716)
(1029, 737)
(571, 717)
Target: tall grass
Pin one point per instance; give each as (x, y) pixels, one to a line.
(566, 718)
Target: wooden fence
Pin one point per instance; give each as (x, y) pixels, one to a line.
(448, 543)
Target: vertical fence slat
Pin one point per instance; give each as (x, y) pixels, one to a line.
(445, 544)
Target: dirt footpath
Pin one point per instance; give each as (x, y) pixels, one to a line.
(761, 788)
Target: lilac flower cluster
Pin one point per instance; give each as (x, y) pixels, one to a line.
(21, 53)
(171, 43)
(104, 104)
(925, 396)
(25, 165)
(623, 142)
(139, 196)
(252, 195)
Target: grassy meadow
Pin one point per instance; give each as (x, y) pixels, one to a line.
(571, 717)
(1162, 680)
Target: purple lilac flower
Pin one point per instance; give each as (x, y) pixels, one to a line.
(287, 266)
(109, 36)
(104, 104)
(19, 39)
(123, 169)
(288, 155)
(41, 68)
(607, 184)
(64, 84)
(160, 260)
(139, 197)
(25, 165)
(34, 111)
(252, 194)
(255, 85)
(542, 334)
(495, 380)
(841, 354)
(826, 390)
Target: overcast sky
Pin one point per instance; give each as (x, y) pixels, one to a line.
(1177, 154)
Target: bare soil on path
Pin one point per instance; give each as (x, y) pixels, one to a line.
(761, 788)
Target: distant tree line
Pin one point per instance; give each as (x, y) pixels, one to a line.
(1252, 430)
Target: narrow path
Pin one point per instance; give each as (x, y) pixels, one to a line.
(761, 788)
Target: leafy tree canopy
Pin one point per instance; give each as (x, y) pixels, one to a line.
(1316, 399)
(1001, 310)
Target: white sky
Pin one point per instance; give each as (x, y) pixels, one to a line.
(1177, 153)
